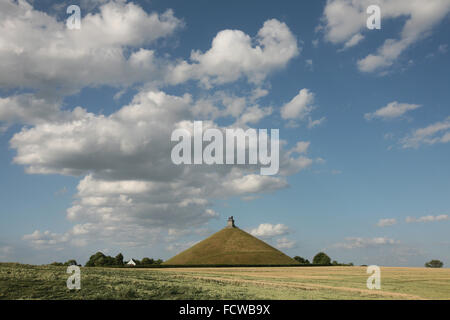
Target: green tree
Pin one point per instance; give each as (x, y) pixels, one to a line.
(147, 261)
(71, 262)
(95, 259)
(99, 260)
(434, 264)
(159, 261)
(301, 260)
(119, 259)
(322, 258)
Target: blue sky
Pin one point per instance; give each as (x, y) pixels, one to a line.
(86, 116)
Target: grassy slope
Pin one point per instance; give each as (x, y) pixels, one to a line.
(231, 246)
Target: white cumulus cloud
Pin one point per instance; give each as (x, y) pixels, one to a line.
(344, 21)
(429, 218)
(391, 111)
(299, 107)
(285, 243)
(386, 222)
(268, 230)
(357, 242)
(438, 132)
(233, 55)
(43, 54)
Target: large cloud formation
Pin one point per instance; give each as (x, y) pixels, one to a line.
(344, 22)
(128, 177)
(40, 54)
(129, 191)
(43, 54)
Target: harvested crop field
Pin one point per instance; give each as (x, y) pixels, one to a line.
(49, 282)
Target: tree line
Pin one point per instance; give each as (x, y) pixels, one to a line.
(99, 259)
(321, 258)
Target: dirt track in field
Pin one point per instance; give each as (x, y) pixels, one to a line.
(306, 286)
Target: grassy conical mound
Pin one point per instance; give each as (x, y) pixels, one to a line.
(231, 246)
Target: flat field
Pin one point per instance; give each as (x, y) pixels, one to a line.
(19, 281)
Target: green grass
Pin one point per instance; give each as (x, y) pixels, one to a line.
(49, 282)
(231, 246)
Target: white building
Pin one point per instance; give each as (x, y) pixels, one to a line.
(131, 263)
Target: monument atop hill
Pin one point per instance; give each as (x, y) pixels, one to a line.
(231, 246)
(230, 223)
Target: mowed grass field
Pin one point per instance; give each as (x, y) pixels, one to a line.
(49, 282)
